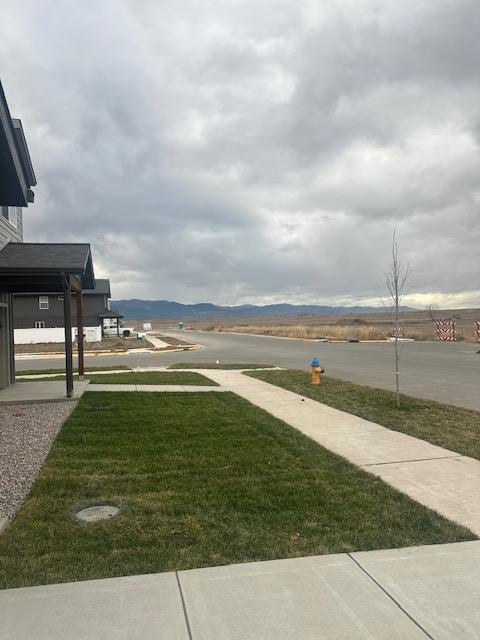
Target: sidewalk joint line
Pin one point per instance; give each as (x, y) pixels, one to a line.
(417, 624)
(378, 464)
(184, 606)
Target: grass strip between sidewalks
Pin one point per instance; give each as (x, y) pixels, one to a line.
(213, 365)
(153, 377)
(138, 377)
(446, 426)
(61, 370)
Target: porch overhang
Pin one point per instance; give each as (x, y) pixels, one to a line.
(54, 268)
(42, 267)
(110, 313)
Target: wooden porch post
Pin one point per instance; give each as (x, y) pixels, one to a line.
(11, 336)
(67, 323)
(81, 369)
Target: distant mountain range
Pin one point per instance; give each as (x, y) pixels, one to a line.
(164, 309)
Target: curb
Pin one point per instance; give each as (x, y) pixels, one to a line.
(56, 355)
(323, 340)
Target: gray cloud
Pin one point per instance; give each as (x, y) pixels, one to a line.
(254, 151)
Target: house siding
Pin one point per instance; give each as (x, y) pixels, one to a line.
(7, 362)
(9, 233)
(26, 311)
(19, 225)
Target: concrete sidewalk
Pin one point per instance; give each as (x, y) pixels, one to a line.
(40, 392)
(440, 479)
(400, 594)
(157, 343)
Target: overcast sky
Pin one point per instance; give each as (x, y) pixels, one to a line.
(254, 151)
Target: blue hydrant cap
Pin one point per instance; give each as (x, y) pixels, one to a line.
(315, 362)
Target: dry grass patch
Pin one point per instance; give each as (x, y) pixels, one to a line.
(329, 331)
(341, 331)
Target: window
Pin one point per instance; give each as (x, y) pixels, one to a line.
(43, 302)
(10, 214)
(40, 324)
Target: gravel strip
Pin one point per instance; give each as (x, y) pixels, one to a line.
(27, 431)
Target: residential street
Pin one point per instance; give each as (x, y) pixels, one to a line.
(447, 372)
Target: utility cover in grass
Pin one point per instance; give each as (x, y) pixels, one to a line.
(96, 513)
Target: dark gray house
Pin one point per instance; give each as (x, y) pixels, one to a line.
(33, 267)
(39, 318)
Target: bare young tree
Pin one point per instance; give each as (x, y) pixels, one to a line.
(430, 309)
(396, 279)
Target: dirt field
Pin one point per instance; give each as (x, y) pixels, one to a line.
(112, 344)
(363, 326)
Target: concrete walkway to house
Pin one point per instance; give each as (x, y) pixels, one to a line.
(438, 478)
(157, 343)
(38, 392)
(414, 593)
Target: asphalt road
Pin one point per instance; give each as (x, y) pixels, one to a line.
(448, 372)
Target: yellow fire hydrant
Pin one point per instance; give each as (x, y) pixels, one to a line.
(316, 371)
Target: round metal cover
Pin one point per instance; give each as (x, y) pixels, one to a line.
(97, 513)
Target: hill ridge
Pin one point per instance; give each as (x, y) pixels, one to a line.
(170, 310)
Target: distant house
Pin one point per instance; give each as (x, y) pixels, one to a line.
(39, 318)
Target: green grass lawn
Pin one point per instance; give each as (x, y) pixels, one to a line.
(443, 425)
(152, 377)
(61, 370)
(139, 377)
(213, 365)
(45, 379)
(202, 480)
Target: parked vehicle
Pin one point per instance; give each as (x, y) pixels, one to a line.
(111, 329)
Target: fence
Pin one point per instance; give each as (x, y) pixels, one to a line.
(54, 334)
(444, 330)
